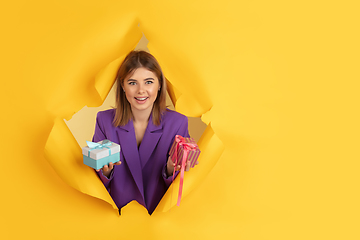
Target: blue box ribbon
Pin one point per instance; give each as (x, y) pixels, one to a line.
(104, 144)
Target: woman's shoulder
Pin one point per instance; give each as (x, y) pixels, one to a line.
(106, 114)
(175, 123)
(170, 115)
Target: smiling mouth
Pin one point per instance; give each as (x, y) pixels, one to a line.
(141, 99)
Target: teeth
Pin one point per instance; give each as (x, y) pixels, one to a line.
(141, 99)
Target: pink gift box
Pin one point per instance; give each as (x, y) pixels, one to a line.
(181, 144)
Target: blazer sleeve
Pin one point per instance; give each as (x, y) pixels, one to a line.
(184, 132)
(100, 135)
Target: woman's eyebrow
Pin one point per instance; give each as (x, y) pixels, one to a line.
(146, 79)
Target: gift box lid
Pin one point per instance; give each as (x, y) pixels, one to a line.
(101, 152)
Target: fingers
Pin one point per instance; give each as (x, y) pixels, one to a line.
(187, 167)
(177, 168)
(111, 166)
(105, 168)
(171, 165)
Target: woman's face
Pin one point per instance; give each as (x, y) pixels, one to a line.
(141, 89)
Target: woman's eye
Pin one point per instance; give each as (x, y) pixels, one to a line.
(132, 83)
(149, 82)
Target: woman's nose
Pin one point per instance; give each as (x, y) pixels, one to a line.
(141, 88)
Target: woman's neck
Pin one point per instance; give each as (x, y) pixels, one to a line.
(141, 116)
(140, 121)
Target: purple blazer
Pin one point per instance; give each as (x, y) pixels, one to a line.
(141, 175)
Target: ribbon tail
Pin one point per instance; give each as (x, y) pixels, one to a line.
(173, 177)
(183, 164)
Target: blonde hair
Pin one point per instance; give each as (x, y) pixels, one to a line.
(133, 61)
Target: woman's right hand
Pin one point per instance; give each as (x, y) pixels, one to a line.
(106, 170)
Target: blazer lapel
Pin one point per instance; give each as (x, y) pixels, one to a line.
(129, 149)
(150, 140)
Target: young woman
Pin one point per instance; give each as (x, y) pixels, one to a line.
(145, 130)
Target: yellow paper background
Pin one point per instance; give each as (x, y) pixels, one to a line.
(277, 82)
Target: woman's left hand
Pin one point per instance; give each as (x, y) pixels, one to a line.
(187, 166)
(171, 165)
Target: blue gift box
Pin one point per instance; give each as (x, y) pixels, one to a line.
(97, 155)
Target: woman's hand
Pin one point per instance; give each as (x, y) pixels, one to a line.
(106, 170)
(171, 165)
